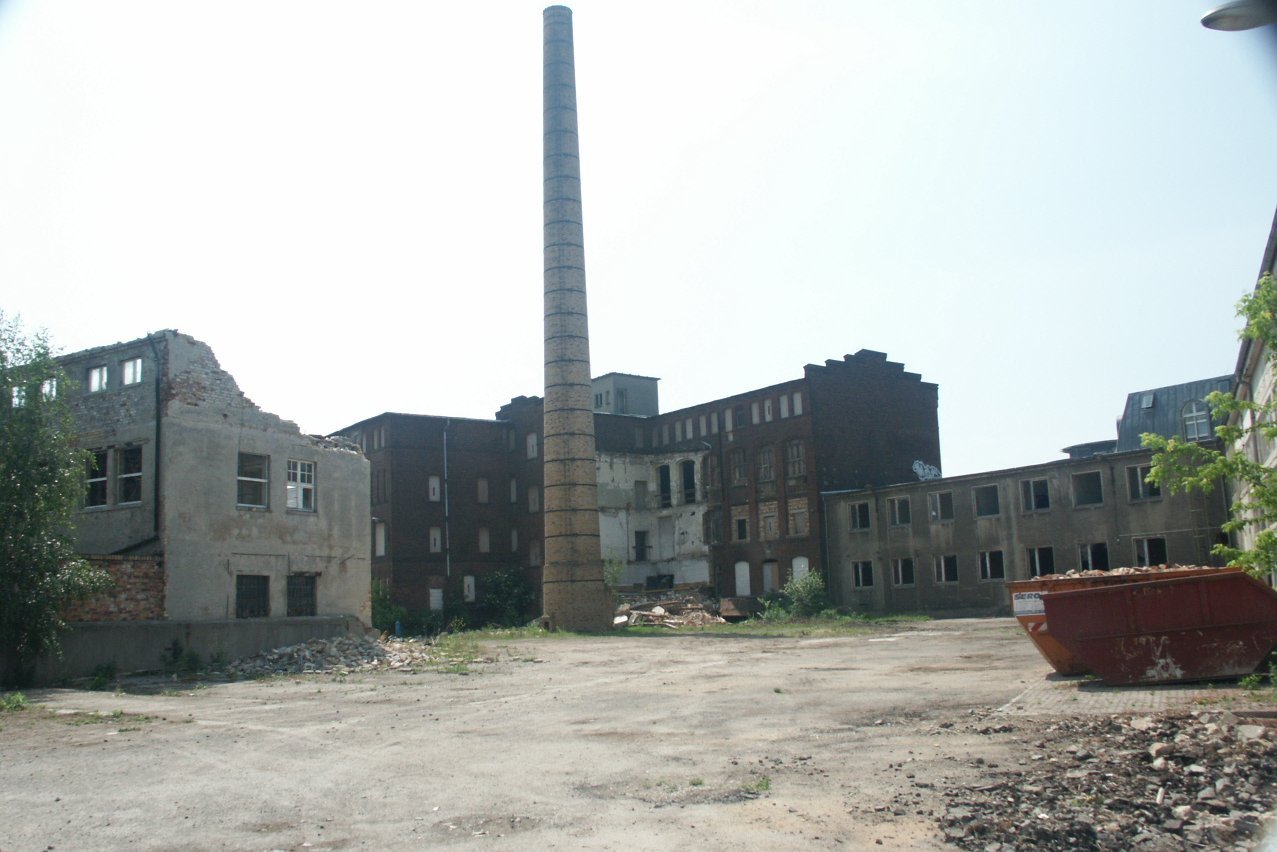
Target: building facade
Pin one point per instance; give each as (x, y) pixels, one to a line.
(249, 517)
(724, 494)
(952, 544)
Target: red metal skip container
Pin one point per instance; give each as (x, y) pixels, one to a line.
(1203, 627)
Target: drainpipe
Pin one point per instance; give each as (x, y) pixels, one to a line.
(447, 529)
(155, 476)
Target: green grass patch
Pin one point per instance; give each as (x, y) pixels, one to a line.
(12, 702)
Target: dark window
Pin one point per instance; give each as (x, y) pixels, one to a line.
(986, 501)
(991, 567)
(1138, 484)
(1041, 561)
(738, 467)
(795, 457)
(1094, 557)
(1035, 495)
(742, 529)
(940, 505)
(640, 546)
(252, 596)
(128, 475)
(899, 511)
(766, 466)
(253, 479)
(859, 513)
(688, 470)
(902, 572)
(1150, 551)
(95, 471)
(863, 574)
(302, 594)
(667, 497)
(947, 569)
(1088, 489)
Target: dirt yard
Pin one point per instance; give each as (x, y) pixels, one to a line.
(670, 741)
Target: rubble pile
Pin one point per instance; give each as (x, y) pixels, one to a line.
(1128, 570)
(672, 614)
(1202, 780)
(340, 655)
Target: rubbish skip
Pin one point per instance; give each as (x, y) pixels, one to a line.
(1207, 626)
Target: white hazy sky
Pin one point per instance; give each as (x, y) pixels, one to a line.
(1038, 206)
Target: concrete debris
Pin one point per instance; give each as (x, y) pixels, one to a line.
(672, 614)
(1213, 789)
(341, 655)
(1149, 569)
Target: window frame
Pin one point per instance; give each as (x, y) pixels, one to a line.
(862, 574)
(1138, 488)
(95, 485)
(1143, 558)
(1076, 478)
(855, 522)
(945, 569)
(300, 492)
(977, 490)
(243, 480)
(987, 566)
(896, 517)
(128, 477)
(1033, 559)
(1196, 421)
(1029, 496)
(899, 565)
(935, 507)
(96, 378)
(131, 371)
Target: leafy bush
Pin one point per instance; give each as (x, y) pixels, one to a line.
(806, 595)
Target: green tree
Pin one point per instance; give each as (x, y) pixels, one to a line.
(42, 479)
(1182, 465)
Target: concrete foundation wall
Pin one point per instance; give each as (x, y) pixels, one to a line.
(146, 645)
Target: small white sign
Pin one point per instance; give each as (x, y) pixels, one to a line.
(1027, 603)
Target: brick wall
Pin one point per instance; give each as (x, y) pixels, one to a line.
(137, 593)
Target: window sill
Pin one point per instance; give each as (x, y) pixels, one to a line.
(248, 508)
(307, 512)
(1089, 506)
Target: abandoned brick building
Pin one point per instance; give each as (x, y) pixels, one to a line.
(238, 514)
(725, 493)
(952, 544)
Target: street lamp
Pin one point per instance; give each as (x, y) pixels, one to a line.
(1241, 15)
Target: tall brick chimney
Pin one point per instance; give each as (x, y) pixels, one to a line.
(572, 590)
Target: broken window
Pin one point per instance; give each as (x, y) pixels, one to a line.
(1034, 494)
(1041, 561)
(902, 572)
(1094, 557)
(946, 568)
(96, 378)
(301, 485)
(128, 475)
(898, 511)
(986, 501)
(434, 490)
(534, 498)
(858, 514)
(767, 410)
(766, 462)
(742, 529)
(95, 473)
(532, 445)
(991, 567)
(688, 471)
(252, 596)
(862, 574)
(436, 539)
(1088, 489)
(485, 541)
(253, 481)
(303, 595)
(795, 459)
(1150, 551)
(738, 467)
(664, 486)
(739, 413)
(798, 522)
(481, 489)
(1138, 485)
(640, 545)
(770, 526)
(1196, 421)
(131, 371)
(940, 505)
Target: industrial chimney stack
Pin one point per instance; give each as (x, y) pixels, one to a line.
(573, 593)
